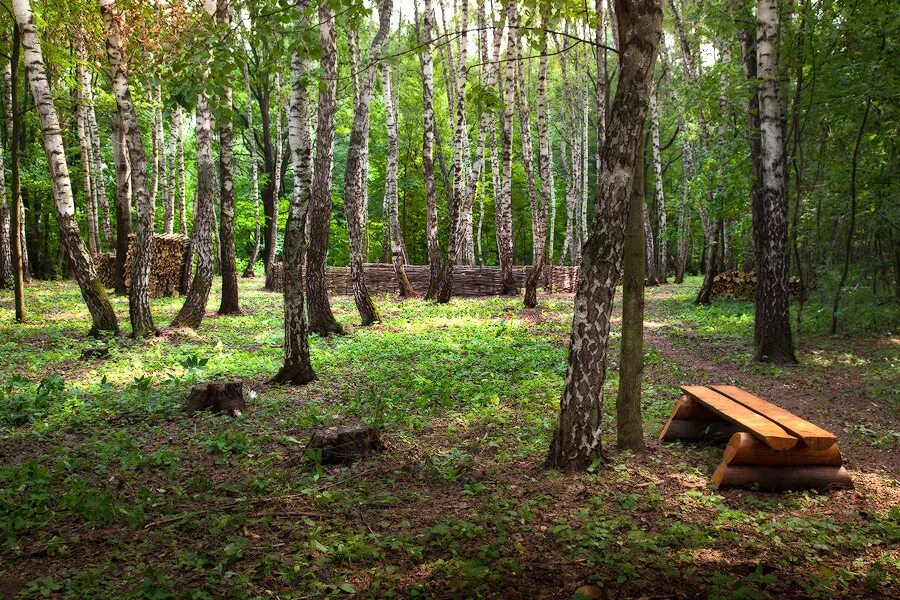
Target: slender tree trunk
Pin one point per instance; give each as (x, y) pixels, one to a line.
(254, 176)
(103, 317)
(16, 242)
(538, 203)
(649, 242)
(662, 257)
(9, 78)
(503, 202)
(629, 431)
(848, 243)
(428, 127)
(123, 201)
(272, 243)
(90, 201)
(355, 173)
(97, 178)
(194, 308)
(6, 262)
(139, 293)
(297, 368)
(180, 191)
(321, 319)
(773, 326)
(404, 288)
(576, 440)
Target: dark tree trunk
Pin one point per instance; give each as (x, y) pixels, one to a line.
(16, 242)
(629, 431)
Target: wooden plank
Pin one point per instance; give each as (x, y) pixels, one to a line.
(695, 431)
(761, 427)
(812, 435)
(745, 450)
(779, 479)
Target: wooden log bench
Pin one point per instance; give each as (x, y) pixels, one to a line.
(768, 447)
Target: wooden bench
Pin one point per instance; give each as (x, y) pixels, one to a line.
(768, 447)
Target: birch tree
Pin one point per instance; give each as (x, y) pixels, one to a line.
(90, 200)
(180, 192)
(297, 368)
(659, 199)
(103, 318)
(503, 201)
(773, 326)
(321, 319)
(404, 288)
(254, 175)
(354, 174)
(123, 200)
(576, 439)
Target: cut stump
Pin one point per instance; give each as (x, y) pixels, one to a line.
(343, 445)
(219, 397)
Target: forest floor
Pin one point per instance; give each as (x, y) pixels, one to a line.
(107, 489)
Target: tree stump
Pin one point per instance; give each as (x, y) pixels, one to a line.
(343, 445)
(219, 397)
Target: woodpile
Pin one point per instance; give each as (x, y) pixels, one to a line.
(467, 281)
(741, 285)
(169, 256)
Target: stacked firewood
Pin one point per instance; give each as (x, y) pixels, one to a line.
(741, 285)
(169, 255)
(467, 281)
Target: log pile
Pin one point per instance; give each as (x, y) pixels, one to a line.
(169, 256)
(741, 285)
(467, 281)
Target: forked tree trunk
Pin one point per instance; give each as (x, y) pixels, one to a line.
(139, 292)
(103, 318)
(773, 325)
(297, 368)
(355, 173)
(629, 430)
(576, 440)
(254, 176)
(123, 201)
(194, 307)
(404, 288)
(321, 319)
(662, 257)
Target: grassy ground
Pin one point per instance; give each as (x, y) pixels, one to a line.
(107, 489)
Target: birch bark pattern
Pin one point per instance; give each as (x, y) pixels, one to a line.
(14, 121)
(103, 318)
(123, 200)
(272, 242)
(97, 168)
(503, 202)
(230, 302)
(180, 192)
(297, 368)
(11, 100)
(404, 288)
(773, 326)
(576, 440)
(539, 200)
(139, 293)
(355, 173)
(428, 125)
(84, 141)
(321, 319)
(254, 175)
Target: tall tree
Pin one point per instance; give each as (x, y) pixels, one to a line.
(275, 187)
(99, 183)
(503, 201)
(576, 439)
(230, 302)
(629, 432)
(773, 325)
(354, 174)
(84, 141)
(123, 201)
(659, 199)
(428, 130)
(321, 319)
(297, 368)
(103, 318)
(539, 199)
(180, 191)
(254, 175)
(139, 294)
(16, 240)
(398, 257)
